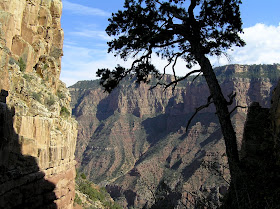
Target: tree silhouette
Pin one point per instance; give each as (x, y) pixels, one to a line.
(191, 30)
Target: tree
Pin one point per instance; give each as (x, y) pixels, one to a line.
(172, 29)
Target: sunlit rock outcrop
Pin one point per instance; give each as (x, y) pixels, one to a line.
(38, 135)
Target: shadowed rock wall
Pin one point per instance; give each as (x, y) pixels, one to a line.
(38, 135)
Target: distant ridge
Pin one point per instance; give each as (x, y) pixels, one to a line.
(134, 138)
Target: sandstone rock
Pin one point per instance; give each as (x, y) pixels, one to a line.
(38, 135)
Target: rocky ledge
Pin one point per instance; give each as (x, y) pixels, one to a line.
(37, 133)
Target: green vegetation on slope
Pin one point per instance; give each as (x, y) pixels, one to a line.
(90, 196)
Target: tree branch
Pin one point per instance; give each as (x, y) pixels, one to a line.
(191, 8)
(146, 56)
(237, 106)
(180, 79)
(209, 101)
(175, 81)
(231, 96)
(197, 76)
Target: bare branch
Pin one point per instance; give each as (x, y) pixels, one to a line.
(175, 81)
(231, 96)
(197, 76)
(146, 56)
(137, 52)
(173, 68)
(209, 101)
(182, 78)
(237, 106)
(157, 84)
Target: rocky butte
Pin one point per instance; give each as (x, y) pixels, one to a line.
(133, 141)
(37, 133)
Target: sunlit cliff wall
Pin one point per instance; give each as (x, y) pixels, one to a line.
(37, 133)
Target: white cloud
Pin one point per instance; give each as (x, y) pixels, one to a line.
(79, 9)
(263, 47)
(94, 34)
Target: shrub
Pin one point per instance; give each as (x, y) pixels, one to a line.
(83, 176)
(60, 95)
(77, 200)
(45, 66)
(37, 96)
(64, 112)
(94, 193)
(21, 64)
(27, 77)
(50, 101)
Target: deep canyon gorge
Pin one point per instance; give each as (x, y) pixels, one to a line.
(133, 141)
(134, 138)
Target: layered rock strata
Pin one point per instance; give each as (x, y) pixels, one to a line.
(38, 135)
(134, 138)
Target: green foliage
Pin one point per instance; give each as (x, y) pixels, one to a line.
(37, 96)
(171, 30)
(94, 193)
(27, 77)
(77, 200)
(64, 112)
(83, 176)
(45, 66)
(86, 188)
(50, 101)
(22, 64)
(61, 95)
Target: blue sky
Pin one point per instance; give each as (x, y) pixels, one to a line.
(85, 48)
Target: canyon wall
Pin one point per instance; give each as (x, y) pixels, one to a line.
(134, 139)
(37, 133)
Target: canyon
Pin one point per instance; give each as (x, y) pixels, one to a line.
(37, 133)
(133, 140)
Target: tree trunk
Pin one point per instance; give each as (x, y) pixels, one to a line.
(223, 114)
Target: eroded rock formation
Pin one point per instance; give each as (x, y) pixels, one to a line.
(134, 138)
(38, 135)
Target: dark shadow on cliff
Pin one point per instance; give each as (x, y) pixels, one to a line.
(258, 183)
(117, 192)
(159, 127)
(106, 107)
(22, 184)
(189, 170)
(162, 125)
(164, 197)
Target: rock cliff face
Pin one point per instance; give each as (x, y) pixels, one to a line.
(258, 184)
(134, 138)
(38, 135)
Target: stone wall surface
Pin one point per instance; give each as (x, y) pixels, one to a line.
(37, 133)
